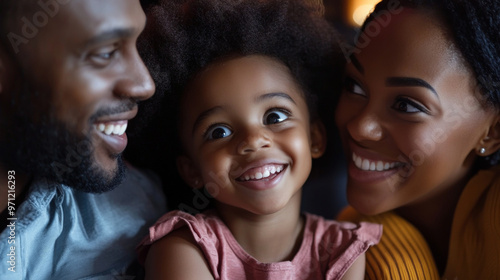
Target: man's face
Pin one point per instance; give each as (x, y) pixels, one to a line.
(84, 78)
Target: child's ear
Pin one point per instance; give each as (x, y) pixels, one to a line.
(491, 142)
(318, 139)
(189, 172)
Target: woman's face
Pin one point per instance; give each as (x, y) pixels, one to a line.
(409, 116)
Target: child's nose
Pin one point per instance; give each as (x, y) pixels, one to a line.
(254, 140)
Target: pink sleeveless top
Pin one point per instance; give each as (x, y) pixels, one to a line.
(327, 251)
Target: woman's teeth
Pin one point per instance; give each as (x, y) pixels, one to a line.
(112, 129)
(368, 165)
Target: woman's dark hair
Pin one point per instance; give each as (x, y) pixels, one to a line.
(475, 28)
(183, 37)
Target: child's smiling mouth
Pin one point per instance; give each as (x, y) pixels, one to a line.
(263, 172)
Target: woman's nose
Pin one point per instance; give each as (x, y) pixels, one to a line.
(365, 127)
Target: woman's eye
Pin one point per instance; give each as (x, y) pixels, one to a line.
(218, 132)
(405, 105)
(352, 86)
(275, 116)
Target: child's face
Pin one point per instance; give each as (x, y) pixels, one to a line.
(408, 110)
(246, 131)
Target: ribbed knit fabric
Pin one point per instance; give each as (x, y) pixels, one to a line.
(474, 251)
(402, 252)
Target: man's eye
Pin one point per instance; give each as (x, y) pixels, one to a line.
(352, 86)
(218, 132)
(275, 116)
(103, 56)
(107, 55)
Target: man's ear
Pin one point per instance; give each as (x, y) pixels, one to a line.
(318, 138)
(189, 172)
(491, 142)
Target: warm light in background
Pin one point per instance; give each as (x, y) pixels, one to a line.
(358, 10)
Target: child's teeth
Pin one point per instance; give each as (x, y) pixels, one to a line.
(264, 174)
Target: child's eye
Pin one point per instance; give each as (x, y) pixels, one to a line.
(406, 105)
(217, 132)
(352, 86)
(274, 116)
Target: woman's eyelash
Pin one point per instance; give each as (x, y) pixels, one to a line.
(352, 85)
(412, 103)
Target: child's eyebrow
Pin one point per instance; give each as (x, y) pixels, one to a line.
(204, 115)
(273, 95)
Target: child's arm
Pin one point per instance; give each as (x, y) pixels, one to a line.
(357, 269)
(176, 256)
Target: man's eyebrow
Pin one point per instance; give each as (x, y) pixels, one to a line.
(356, 64)
(409, 82)
(110, 35)
(274, 95)
(204, 115)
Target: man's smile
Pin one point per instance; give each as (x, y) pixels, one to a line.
(111, 129)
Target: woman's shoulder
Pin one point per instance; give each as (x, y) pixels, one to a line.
(474, 249)
(402, 250)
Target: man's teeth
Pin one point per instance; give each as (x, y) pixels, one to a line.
(367, 165)
(262, 175)
(112, 129)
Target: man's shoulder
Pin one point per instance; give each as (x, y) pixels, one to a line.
(83, 233)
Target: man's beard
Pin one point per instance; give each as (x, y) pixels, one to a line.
(47, 149)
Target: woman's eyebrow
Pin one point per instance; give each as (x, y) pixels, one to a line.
(409, 82)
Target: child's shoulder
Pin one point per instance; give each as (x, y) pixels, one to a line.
(340, 232)
(199, 224)
(181, 225)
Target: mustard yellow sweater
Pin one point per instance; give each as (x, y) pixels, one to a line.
(474, 250)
